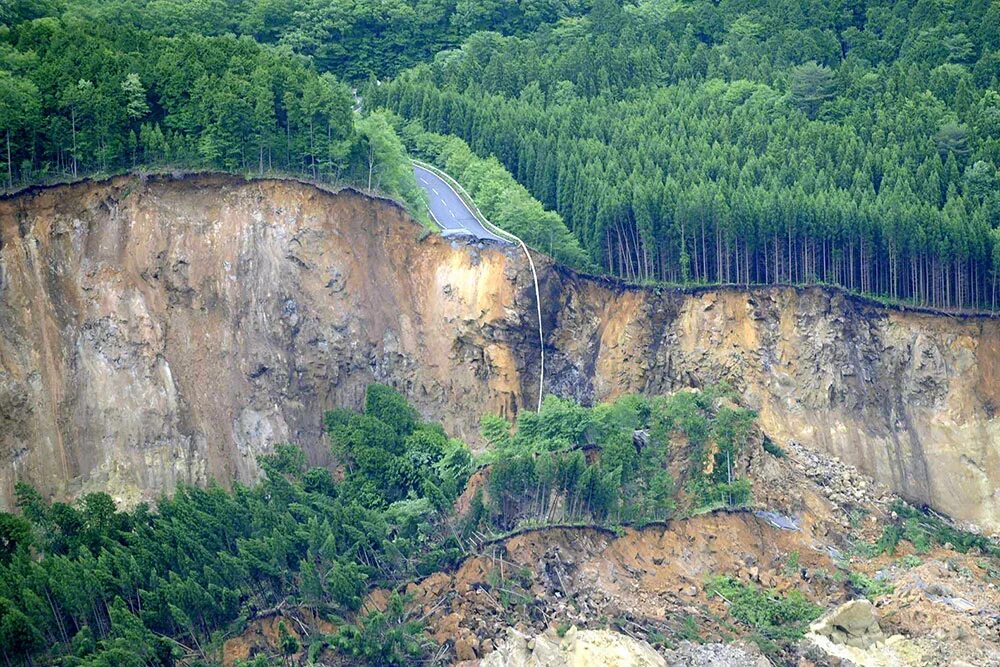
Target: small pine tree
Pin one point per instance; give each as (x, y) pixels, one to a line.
(287, 642)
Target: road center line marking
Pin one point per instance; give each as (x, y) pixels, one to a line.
(435, 191)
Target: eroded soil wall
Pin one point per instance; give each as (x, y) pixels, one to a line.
(165, 331)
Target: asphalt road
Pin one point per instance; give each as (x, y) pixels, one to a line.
(448, 209)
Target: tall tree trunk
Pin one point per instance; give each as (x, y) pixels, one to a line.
(371, 165)
(73, 127)
(704, 251)
(312, 153)
(10, 168)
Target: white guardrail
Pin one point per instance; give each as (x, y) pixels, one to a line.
(457, 188)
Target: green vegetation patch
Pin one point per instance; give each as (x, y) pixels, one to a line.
(867, 586)
(925, 530)
(88, 585)
(611, 464)
(775, 620)
(390, 637)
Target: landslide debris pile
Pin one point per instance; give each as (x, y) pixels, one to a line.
(731, 586)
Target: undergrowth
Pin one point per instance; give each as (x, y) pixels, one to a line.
(925, 531)
(775, 620)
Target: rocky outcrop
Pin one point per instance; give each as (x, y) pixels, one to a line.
(851, 633)
(851, 624)
(161, 331)
(167, 331)
(908, 398)
(577, 648)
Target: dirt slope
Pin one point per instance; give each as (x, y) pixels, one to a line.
(172, 330)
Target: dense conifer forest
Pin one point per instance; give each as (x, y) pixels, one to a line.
(99, 86)
(853, 143)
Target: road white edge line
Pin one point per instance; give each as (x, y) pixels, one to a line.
(531, 263)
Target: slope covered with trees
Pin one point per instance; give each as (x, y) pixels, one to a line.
(91, 585)
(854, 143)
(87, 584)
(81, 95)
(354, 39)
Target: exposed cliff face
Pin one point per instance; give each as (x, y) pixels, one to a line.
(909, 398)
(173, 330)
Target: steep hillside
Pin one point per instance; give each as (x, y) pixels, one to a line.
(171, 330)
(910, 398)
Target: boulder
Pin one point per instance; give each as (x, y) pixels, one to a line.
(851, 634)
(852, 623)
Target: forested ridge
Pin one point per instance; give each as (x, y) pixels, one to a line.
(354, 39)
(853, 143)
(255, 86)
(93, 88)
